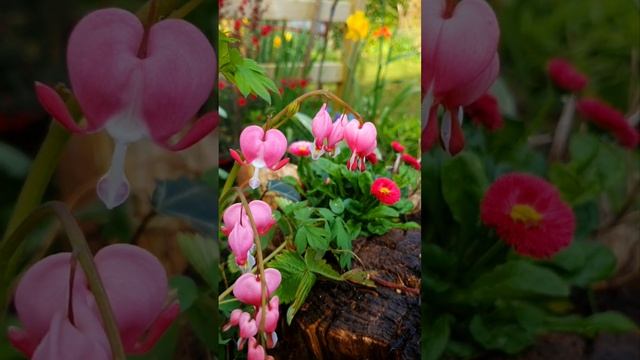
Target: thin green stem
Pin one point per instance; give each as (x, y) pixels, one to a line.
(495, 249)
(187, 8)
(231, 178)
(259, 260)
(40, 174)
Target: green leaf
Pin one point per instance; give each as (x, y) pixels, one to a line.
(435, 338)
(403, 206)
(585, 262)
(319, 266)
(518, 279)
(336, 205)
(190, 200)
(609, 322)
(187, 291)
(307, 281)
(300, 239)
(291, 265)
(359, 276)
(463, 185)
(283, 189)
(326, 213)
(203, 319)
(317, 238)
(381, 212)
(508, 337)
(202, 255)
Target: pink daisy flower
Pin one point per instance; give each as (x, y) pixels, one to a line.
(528, 214)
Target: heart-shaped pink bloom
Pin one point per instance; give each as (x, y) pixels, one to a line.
(241, 242)
(247, 325)
(459, 64)
(255, 351)
(234, 319)
(247, 287)
(135, 94)
(262, 215)
(136, 285)
(271, 320)
(321, 127)
(337, 133)
(361, 139)
(261, 150)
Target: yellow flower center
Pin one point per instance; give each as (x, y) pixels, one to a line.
(525, 214)
(385, 191)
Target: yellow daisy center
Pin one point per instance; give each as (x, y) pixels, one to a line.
(525, 214)
(385, 191)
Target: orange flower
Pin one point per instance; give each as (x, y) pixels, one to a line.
(382, 31)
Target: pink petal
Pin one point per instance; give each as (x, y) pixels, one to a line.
(55, 106)
(262, 215)
(321, 125)
(231, 217)
(275, 147)
(241, 241)
(466, 45)
(136, 284)
(252, 142)
(157, 329)
(202, 127)
(272, 316)
(255, 351)
(102, 60)
(179, 76)
(64, 341)
(42, 291)
(469, 92)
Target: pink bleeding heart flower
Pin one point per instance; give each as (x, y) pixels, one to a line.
(241, 243)
(459, 65)
(136, 285)
(300, 148)
(248, 329)
(337, 133)
(261, 149)
(234, 320)
(135, 83)
(361, 139)
(247, 287)
(271, 321)
(321, 127)
(262, 215)
(255, 351)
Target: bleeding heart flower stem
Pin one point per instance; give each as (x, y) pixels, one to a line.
(259, 263)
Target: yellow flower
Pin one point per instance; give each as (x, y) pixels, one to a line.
(357, 26)
(277, 41)
(288, 36)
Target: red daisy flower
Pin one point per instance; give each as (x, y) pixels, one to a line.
(609, 119)
(528, 214)
(566, 76)
(385, 190)
(397, 147)
(411, 161)
(485, 111)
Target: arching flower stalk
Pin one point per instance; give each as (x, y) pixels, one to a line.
(255, 289)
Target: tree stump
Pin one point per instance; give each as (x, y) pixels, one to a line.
(342, 321)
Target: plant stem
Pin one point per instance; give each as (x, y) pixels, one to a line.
(563, 130)
(259, 260)
(39, 176)
(488, 255)
(266, 260)
(231, 178)
(185, 9)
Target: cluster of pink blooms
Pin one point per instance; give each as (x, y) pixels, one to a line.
(238, 228)
(60, 317)
(566, 77)
(248, 290)
(459, 64)
(265, 149)
(135, 83)
(360, 138)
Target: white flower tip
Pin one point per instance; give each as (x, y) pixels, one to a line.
(112, 193)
